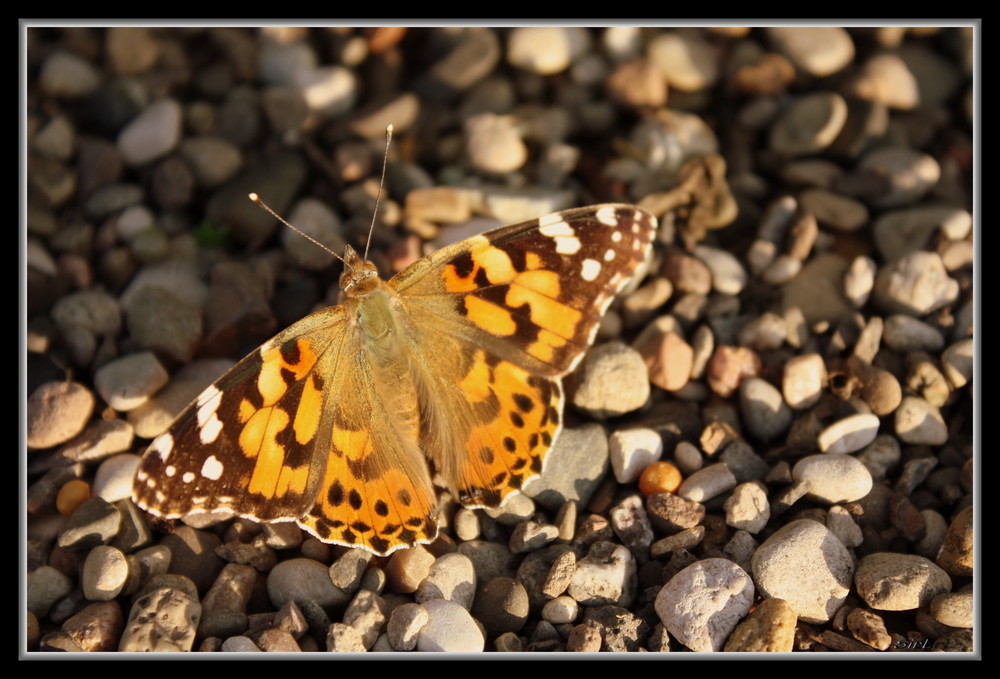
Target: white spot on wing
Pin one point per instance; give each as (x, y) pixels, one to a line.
(549, 219)
(188, 477)
(210, 430)
(607, 216)
(162, 445)
(616, 236)
(609, 255)
(556, 228)
(210, 393)
(590, 270)
(170, 470)
(212, 469)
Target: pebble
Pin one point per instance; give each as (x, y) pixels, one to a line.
(104, 573)
(707, 483)
(545, 50)
(613, 381)
(152, 134)
(688, 458)
(160, 321)
(834, 210)
(224, 607)
(765, 413)
(45, 586)
(955, 609)
(957, 362)
(631, 524)
(848, 435)
(95, 522)
(449, 628)
(767, 331)
(868, 628)
(747, 508)
(770, 628)
(494, 144)
(621, 631)
(213, 160)
(346, 572)
(407, 568)
(68, 76)
(859, 280)
(164, 619)
(885, 79)
(956, 555)
(920, 423)
(900, 232)
(841, 523)
(803, 381)
(367, 614)
(810, 124)
(729, 366)
(660, 477)
(935, 528)
(686, 61)
(531, 535)
(818, 290)
(606, 575)
(584, 638)
(405, 623)
(833, 479)
(128, 382)
(450, 577)
(819, 50)
(561, 610)
(670, 361)
(342, 638)
(97, 628)
(631, 451)
(71, 495)
(904, 333)
(915, 284)
(56, 412)
(890, 581)
(909, 175)
(728, 275)
(301, 579)
(807, 566)
(703, 604)
(501, 606)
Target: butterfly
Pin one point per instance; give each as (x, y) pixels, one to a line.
(452, 366)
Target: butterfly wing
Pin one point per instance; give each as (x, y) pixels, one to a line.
(514, 309)
(287, 435)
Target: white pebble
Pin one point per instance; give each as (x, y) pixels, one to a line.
(701, 605)
(849, 434)
(707, 483)
(833, 478)
(632, 450)
(449, 628)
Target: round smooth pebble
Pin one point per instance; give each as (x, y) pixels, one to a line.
(954, 609)
(151, 134)
(659, 477)
(688, 63)
(614, 380)
(769, 628)
(901, 232)
(920, 423)
(881, 455)
(302, 580)
(837, 211)
(104, 573)
(56, 412)
(765, 412)
(631, 451)
(703, 604)
(688, 458)
(899, 582)
(128, 382)
(841, 523)
(449, 628)
(113, 480)
(407, 568)
(767, 331)
(71, 495)
(501, 606)
(545, 50)
(707, 483)
(728, 275)
(910, 175)
(405, 623)
(803, 380)
(859, 279)
(43, 587)
(819, 50)
(606, 575)
(450, 577)
(561, 610)
(807, 566)
(849, 435)
(747, 508)
(97, 627)
(810, 124)
(367, 614)
(833, 478)
(904, 333)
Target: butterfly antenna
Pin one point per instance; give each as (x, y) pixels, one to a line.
(381, 183)
(260, 203)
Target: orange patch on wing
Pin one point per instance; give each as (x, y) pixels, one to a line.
(308, 412)
(258, 440)
(476, 384)
(492, 318)
(545, 312)
(270, 382)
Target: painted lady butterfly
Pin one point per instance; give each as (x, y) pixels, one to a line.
(452, 365)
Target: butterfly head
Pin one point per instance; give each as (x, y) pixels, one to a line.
(359, 276)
